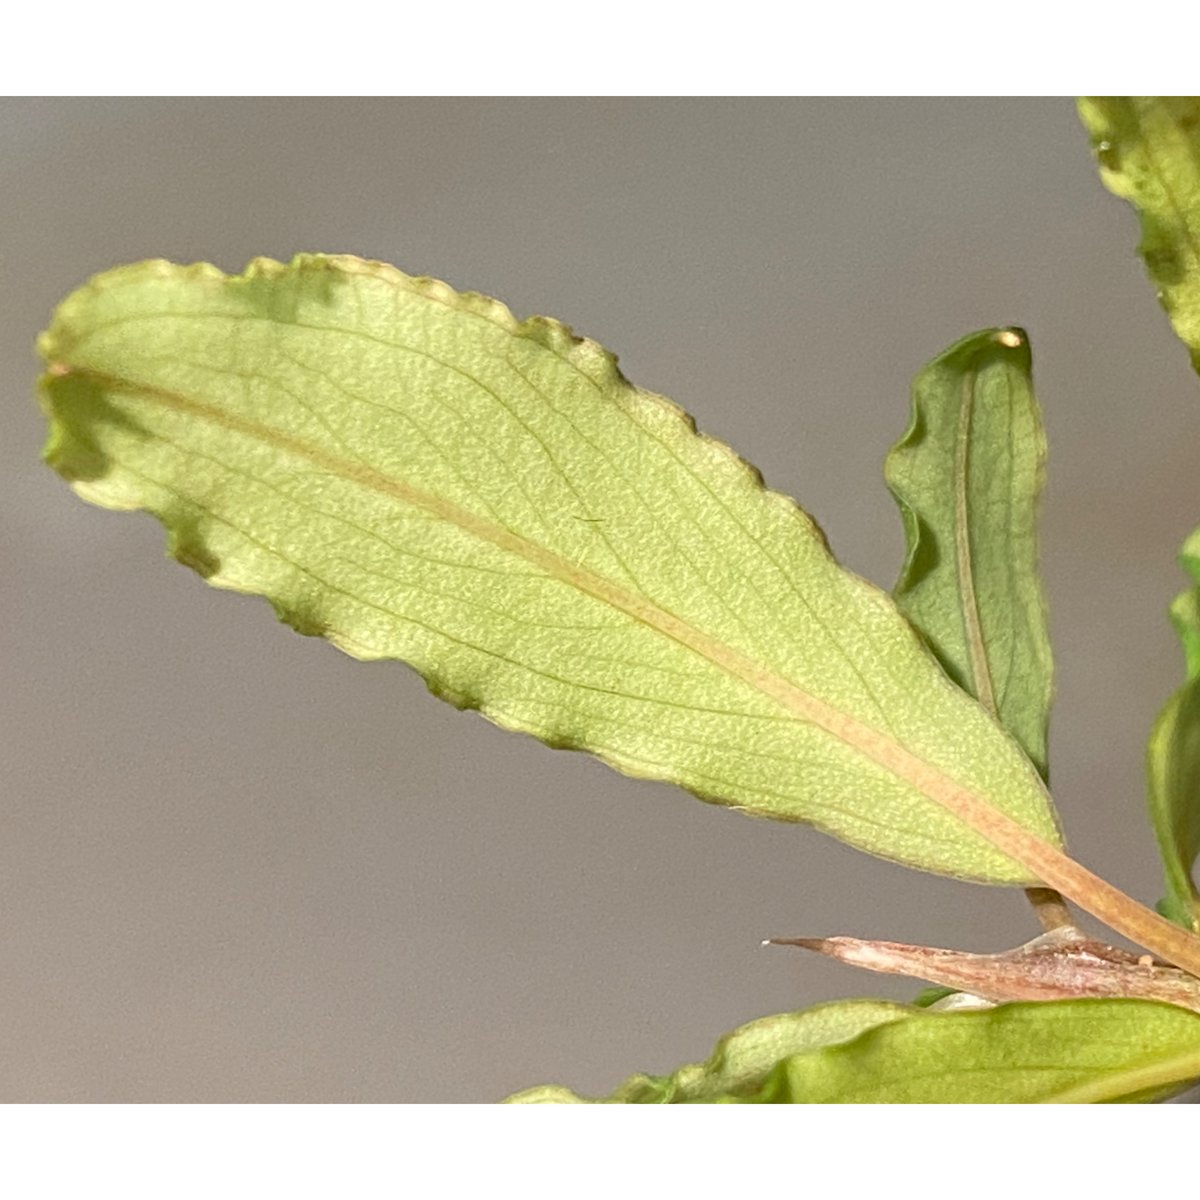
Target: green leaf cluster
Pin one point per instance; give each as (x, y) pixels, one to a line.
(413, 473)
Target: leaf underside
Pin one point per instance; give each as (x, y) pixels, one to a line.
(967, 476)
(414, 474)
(1148, 149)
(870, 1052)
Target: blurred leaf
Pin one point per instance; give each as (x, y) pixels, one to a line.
(1185, 611)
(1148, 148)
(414, 474)
(1076, 1051)
(743, 1059)
(967, 475)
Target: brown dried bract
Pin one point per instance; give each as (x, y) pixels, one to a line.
(1061, 965)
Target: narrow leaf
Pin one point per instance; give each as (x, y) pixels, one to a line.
(967, 475)
(1066, 1051)
(1173, 764)
(414, 474)
(1148, 148)
(1173, 791)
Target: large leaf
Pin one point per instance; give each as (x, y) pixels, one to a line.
(1148, 148)
(967, 475)
(742, 1060)
(414, 474)
(1068, 1051)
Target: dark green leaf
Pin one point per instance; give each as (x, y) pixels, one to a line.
(967, 475)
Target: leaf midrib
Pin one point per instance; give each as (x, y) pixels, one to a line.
(972, 621)
(1175, 1068)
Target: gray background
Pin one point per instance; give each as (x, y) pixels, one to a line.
(236, 865)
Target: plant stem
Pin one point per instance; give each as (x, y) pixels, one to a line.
(1094, 895)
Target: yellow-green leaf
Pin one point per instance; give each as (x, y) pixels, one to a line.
(415, 474)
(967, 475)
(1148, 148)
(1065, 1051)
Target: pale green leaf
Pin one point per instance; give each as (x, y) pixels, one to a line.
(742, 1060)
(967, 475)
(1065, 1051)
(1148, 148)
(414, 474)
